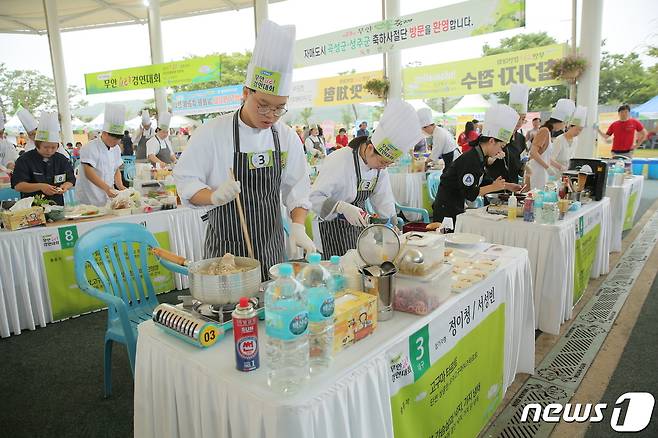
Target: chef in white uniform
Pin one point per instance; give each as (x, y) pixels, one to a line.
(443, 142)
(541, 164)
(564, 146)
(143, 134)
(265, 155)
(30, 124)
(352, 175)
(101, 159)
(158, 147)
(8, 153)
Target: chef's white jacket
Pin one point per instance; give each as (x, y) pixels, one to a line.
(442, 143)
(105, 162)
(8, 153)
(337, 182)
(154, 145)
(141, 132)
(206, 161)
(310, 145)
(563, 150)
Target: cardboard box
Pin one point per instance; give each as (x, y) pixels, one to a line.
(355, 318)
(29, 217)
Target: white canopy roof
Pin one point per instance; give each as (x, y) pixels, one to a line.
(469, 105)
(27, 16)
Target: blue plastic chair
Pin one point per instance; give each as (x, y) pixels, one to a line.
(9, 194)
(128, 305)
(425, 216)
(433, 181)
(129, 171)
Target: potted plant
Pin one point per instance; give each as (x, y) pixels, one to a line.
(569, 68)
(378, 87)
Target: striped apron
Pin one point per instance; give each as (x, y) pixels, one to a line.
(337, 235)
(260, 194)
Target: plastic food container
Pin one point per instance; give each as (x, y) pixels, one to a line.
(430, 245)
(421, 295)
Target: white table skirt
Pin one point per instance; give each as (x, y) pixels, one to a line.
(619, 198)
(408, 191)
(24, 297)
(181, 390)
(551, 249)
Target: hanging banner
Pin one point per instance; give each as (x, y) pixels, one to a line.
(461, 20)
(447, 378)
(483, 75)
(336, 90)
(187, 71)
(211, 100)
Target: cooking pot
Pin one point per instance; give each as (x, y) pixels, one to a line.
(217, 289)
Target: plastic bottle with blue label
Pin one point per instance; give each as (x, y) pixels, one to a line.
(337, 277)
(315, 280)
(286, 327)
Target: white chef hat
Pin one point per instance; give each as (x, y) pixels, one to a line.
(115, 118)
(2, 121)
(518, 98)
(425, 117)
(48, 129)
(270, 67)
(146, 117)
(398, 130)
(563, 110)
(499, 122)
(164, 120)
(27, 120)
(579, 116)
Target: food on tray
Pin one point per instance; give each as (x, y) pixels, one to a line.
(223, 266)
(84, 210)
(461, 285)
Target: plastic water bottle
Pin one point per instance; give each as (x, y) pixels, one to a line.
(315, 280)
(550, 212)
(286, 329)
(337, 277)
(539, 208)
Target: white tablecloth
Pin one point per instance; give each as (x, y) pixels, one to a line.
(24, 298)
(408, 191)
(619, 198)
(182, 391)
(551, 249)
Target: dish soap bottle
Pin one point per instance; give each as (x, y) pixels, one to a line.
(511, 207)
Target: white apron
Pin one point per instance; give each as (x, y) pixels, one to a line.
(539, 176)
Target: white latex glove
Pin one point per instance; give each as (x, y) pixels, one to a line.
(552, 171)
(226, 192)
(299, 238)
(354, 215)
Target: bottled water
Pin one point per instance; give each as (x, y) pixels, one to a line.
(337, 277)
(315, 280)
(539, 208)
(286, 329)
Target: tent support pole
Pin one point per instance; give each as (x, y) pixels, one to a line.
(157, 57)
(260, 13)
(393, 59)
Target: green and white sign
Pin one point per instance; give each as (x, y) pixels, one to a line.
(66, 298)
(461, 20)
(187, 71)
(629, 215)
(588, 231)
(447, 378)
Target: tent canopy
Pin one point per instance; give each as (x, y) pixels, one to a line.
(470, 105)
(648, 110)
(27, 16)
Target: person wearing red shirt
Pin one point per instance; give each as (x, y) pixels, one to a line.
(623, 133)
(341, 138)
(470, 134)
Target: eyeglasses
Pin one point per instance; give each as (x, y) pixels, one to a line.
(265, 110)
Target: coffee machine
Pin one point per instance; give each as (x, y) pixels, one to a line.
(596, 179)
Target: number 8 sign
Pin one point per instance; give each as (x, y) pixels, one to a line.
(68, 236)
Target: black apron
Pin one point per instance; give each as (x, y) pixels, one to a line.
(140, 151)
(260, 194)
(339, 236)
(165, 153)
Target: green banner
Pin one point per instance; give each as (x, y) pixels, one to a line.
(459, 393)
(67, 299)
(483, 75)
(187, 71)
(630, 208)
(585, 255)
(447, 23)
